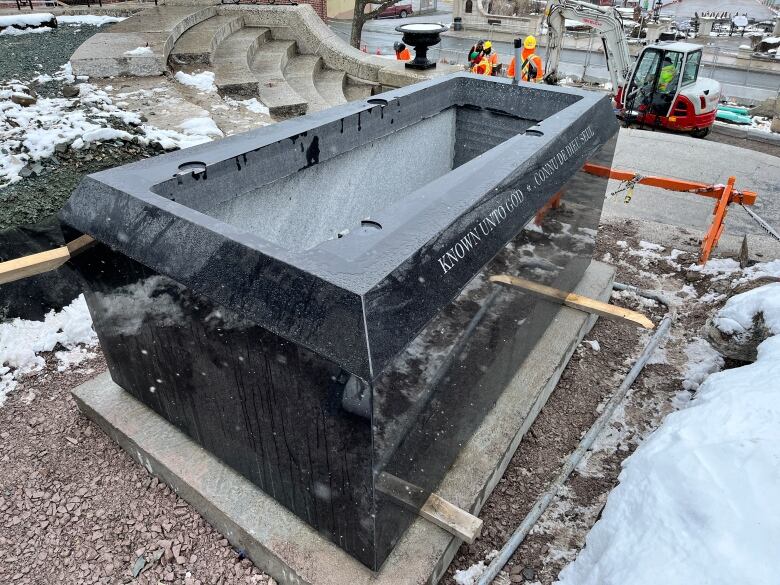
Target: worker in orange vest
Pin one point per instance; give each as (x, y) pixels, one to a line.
(531, 68)
(488, 62)
(402, 52)
(492, 57)
(483, 67)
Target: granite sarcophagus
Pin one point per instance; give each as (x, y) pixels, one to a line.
(310, 301)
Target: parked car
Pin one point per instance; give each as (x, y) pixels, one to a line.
(396, 11)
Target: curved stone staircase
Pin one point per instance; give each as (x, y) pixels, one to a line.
(284, 56)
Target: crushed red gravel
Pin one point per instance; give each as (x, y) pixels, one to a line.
(76, 509)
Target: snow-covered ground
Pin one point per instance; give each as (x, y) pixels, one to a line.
(31, 133)
(697, 501)
(22, 341)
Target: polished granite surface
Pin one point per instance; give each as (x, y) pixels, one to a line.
(319, 367)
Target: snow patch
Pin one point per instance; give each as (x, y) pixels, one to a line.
(471, 575)
(200, 127)
(89, 19)
(204, 81)
(594, 345)
(140, 51)
(15, 32)
(22, 341)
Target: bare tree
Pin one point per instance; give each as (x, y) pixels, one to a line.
(360, 17)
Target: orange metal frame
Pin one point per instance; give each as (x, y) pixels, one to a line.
(725, 195)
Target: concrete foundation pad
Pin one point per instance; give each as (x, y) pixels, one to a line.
(283, 545)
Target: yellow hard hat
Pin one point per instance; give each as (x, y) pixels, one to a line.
(487, 45)
(530, 42)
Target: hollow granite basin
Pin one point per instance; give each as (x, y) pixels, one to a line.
(310, 301)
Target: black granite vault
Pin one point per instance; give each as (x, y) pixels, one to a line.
(309, 301)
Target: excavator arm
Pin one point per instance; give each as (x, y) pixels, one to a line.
(605, 20)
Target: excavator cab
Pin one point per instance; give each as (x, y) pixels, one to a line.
(665, 90)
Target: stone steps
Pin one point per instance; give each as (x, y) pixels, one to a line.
(357, 91)
(139, 45)
(198, 43)
(232, 73)
(301, 73)
(268, 65)
(330, 83)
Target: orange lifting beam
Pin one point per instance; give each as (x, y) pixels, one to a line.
(725, 194)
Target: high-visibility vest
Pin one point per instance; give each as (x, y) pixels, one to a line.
(483, 67)
(404, 55)
(666, 76)
(524, 70)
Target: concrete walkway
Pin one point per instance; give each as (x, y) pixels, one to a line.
(671, 155)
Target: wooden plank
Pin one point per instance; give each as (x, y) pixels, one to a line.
(576, 301)
(430, 506)
(19, 268)
(41, 262)
(80, 244)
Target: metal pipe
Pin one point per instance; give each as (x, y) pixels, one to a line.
(518, 43)
(576, 456)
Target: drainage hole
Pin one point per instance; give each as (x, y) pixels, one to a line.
(534, 132)
(377, 102)
(371, 224)
(191, 167)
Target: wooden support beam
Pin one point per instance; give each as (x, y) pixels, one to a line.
(41, 262)
(433, 508)
(575, 301)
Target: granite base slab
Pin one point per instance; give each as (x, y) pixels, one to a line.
(286, 547)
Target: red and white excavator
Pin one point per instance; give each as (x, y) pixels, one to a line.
(663, 87)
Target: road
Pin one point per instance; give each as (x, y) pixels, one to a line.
(381, 34)
(674, 155)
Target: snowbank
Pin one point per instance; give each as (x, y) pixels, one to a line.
(22, 20)
(737, 315)
(22, 341)
(90, 19)
(697, 502)
(204, 81)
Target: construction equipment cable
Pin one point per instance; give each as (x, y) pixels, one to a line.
(576, 456)
(762, 223)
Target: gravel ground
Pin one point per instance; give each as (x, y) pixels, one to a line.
(34, 198)
(76, 509)
(26, 56)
